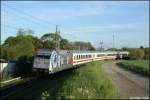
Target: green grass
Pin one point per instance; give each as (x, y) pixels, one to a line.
(5, 76)
(86, 82)
(138, 66)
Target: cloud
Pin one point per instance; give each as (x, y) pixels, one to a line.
(65, 13)
(69, 10)
(118, 28)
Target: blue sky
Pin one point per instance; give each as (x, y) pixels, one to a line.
(90, 21)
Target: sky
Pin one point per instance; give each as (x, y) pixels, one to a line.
(89, 21)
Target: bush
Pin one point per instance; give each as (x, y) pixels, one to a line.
(138, 66)
(24, 66)
(136, 54)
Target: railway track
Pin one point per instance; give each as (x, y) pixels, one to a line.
(12, 90)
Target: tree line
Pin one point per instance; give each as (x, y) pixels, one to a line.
(25, 43)
(21, 48)
(138, 53)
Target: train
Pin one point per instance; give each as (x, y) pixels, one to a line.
(52, 60)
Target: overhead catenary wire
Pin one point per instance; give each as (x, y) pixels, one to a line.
(31, 16)
(29, 19)
(26, 16)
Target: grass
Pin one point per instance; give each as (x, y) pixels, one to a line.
(5, 76)
(138, 66)
(86, 82)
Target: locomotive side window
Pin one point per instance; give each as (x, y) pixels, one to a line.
(93, 55)
(89, 56)
(76, 57)
(84, 56)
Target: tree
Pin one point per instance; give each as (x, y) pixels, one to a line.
(25, 32)
(136, 54)
(21, 32)
(146, 53)
(64, 44)
(30, 32)
(36, 42)
(141, 47)
(50, 37)
(79, 45)
(14, 47)
(48, 44)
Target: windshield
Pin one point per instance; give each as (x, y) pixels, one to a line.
(42, 59)
(43, 56)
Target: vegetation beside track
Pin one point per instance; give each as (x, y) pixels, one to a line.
(138, 66)
(87, 81)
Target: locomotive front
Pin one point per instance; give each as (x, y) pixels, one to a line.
(45, 60)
